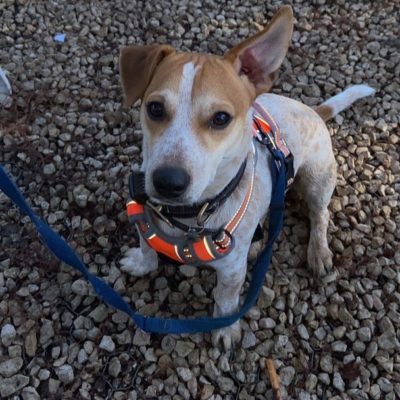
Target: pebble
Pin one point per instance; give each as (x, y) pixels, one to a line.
(286, 375)
(249, 340)
(81, 195)
(8, 334)
(65, 373)
(11, 366)
(31, 344)
(338, 382)
(114, 367)
(184, 373)
(141, 338)
(9, 386)
(107, 344)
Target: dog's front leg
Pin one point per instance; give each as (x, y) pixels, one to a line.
(230, 278)
(139, 261)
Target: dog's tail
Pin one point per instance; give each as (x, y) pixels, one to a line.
(335, 104)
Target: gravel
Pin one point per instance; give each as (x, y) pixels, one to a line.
(70, 145)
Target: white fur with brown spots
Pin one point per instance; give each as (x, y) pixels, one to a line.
(192, 87)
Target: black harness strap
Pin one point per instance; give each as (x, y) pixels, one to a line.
(138, 193)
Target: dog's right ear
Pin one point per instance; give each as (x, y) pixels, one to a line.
(136, 67)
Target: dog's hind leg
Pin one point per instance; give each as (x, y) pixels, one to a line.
(139, 261)
(317, 181)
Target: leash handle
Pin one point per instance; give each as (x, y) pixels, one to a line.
(63, 251)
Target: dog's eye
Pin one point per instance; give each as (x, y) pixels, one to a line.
(155, 110)
(220, 120)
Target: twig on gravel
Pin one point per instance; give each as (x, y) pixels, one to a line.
(274, 378)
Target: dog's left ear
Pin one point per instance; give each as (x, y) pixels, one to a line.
(260, 56)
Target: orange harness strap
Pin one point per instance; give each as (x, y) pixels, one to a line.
(202, 250)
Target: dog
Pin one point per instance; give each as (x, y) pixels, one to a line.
(196, 116)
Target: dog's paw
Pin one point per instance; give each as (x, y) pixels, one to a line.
(319, 260)
(137, 264)
(229, 336)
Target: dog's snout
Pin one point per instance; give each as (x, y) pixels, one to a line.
(170, 182)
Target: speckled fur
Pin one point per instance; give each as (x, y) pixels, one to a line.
(192, 85)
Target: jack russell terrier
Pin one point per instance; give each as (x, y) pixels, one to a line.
(197, 116)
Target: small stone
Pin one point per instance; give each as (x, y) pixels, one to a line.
(339, 346)
(100, 313)
(286, 375)
(385, 385)
(345, 316)
(187, 270)
(168, 344)
(303, 332)
(338, 382)
(141, 338)
(249, 340)
(107, 344)
(266, 297)
(326, 363)
(44, 374)
(8, 335)
(31, 344)
(381, 125)
(184, 373)
(85, 104)
(30, 393)
(54, 384)
(114, 367)
(371, 351)
(267, 323)
(8, 386)
(207, 392)
(388, 341)
(46, 331)
(81, 195)
(10, 367)
(211, 370)
(311, 382)
(65, 373)
(80, 287)
(320, 333)
(324, 378)
(225, 384)
(183, 348)
(364, 334)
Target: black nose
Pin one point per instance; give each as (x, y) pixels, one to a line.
(170, 182)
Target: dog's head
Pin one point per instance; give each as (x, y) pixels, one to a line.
(195, 111)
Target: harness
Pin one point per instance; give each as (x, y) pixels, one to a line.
(198, 245)
(281, 166)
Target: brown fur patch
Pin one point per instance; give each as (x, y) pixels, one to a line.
(325, 112)
(216, 87)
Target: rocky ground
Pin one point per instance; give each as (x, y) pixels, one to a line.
(69, 145)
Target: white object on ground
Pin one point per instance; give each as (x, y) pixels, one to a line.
(60, 37)
(5, 89)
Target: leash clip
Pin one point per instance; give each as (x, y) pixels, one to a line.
(201, 219)
(157, 210)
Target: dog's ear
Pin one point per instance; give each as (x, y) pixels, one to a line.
(260, 56)
(136, 67)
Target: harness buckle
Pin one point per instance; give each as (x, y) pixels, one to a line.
(157, 210)
(201, 219)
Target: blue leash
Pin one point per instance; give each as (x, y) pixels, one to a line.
(64, 252)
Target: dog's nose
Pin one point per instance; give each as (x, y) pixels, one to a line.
(170, 182)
